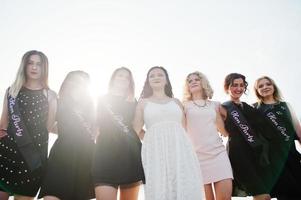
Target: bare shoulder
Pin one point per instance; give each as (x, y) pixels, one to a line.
(290, 108)
(288, 104)
(141, 103)
(223, 111)
(5, 95)
(51, 95)
(177, 101)
(185, 103)
(216, 105)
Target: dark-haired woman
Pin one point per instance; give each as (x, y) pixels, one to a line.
(117, 160)
(285, 159)
(68, 173)
(170, 164)
(248, 142)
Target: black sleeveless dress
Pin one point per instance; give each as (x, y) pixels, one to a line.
(117, 159)
(285, 159)
(68, 172)
(15, 177)
(250, 175)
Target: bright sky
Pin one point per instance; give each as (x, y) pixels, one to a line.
(252, 37)
(256, 37)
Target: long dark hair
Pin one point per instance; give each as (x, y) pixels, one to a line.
(75, 101)
(74, 91)
(130, 94)
(148, 91)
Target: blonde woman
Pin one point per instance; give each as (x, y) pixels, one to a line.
(285, 128)
(203, 121)
(28, 115)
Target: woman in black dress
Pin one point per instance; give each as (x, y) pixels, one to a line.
(27, 117)
(285, 159)
(117, 160)
(247, 149)
(68, 173)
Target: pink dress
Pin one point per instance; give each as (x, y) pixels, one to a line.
(202, 130)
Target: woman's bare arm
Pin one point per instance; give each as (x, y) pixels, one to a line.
(52, 101)
(4, 118)
(138, 121)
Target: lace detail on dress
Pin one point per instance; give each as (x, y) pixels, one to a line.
(171, 167)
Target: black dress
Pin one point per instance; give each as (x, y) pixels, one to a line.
(117, 159)
(250, 175)
(15, 176)
(285, 159)
(68, 172)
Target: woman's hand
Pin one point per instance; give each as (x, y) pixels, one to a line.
(3, 133)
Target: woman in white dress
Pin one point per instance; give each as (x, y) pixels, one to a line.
(170, 164)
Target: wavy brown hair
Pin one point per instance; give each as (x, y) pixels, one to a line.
(231, 77)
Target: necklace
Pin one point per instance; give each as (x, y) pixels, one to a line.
(198, 105)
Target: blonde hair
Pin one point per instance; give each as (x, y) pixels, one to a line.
(276, 95)
(21, 74)
(207, 89)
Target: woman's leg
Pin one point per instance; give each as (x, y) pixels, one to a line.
(130, 191)
(50, 198)
(106, 192)
(223, 189)
(262, 197)
(4, 195)
(19, 197)
(208, 192)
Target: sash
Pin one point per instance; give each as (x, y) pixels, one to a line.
(85, 124)
(118, 120)
(242, 124)
(20, 133)
(257, 142)
(273, 119)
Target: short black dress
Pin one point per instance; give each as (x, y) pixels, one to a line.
(15, 176)
(250, 175)
(68, 172)
(285, 159)
(117, 159)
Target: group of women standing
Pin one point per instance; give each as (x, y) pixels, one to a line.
(182, 155)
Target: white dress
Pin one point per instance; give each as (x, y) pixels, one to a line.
(171, 167)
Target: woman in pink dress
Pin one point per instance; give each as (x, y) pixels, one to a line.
(203, 121)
